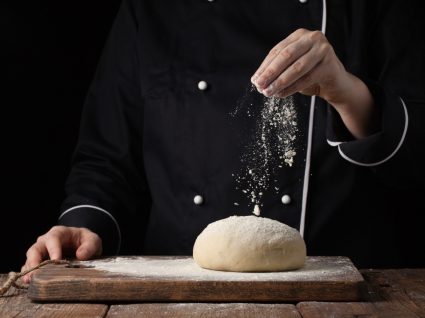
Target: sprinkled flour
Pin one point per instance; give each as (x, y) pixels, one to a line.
(315, 269)
(271, 147)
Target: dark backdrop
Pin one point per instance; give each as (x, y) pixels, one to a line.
(48, 54)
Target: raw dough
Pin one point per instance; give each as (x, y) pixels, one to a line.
(249, 244)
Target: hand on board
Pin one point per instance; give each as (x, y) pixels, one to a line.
(60, 241)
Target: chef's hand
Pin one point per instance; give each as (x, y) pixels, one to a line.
(61, 240)
(305, 62)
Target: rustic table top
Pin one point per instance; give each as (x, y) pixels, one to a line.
(390, 293)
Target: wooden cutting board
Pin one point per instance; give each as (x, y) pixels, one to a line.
(180, 279)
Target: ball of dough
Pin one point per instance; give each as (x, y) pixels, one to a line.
(249, 244)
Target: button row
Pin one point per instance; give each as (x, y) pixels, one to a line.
(202, 85)
(198, 199)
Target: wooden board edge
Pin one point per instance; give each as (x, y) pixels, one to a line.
(223, 291)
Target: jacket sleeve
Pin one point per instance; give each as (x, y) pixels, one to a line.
(393, 72)
(106, 187)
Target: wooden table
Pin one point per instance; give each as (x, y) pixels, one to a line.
(389, 293)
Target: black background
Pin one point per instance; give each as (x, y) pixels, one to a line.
(48, 55)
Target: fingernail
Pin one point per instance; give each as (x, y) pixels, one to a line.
(254, 78)
(269, 90)
(261, 83)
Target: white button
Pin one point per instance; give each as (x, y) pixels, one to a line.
(198, 199)
(303, 1)
(202, 85)
(286, 199)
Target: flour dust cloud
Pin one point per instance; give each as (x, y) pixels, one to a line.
(269, 147)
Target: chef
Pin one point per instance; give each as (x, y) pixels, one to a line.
(158, 152)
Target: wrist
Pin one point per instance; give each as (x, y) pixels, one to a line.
(355, 105)
(343, 92)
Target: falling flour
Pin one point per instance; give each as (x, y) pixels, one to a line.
(256, 210)
(271, 147)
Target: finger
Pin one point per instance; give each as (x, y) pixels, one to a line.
(26, 278)
(299, 68)
(54, 247)
(275, 51)
(63, 240)
(307, 85)
(35, 255)
(286, 57)
(91, 245)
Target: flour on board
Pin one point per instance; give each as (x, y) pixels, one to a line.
(316, 268)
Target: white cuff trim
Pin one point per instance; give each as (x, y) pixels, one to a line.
(403, 136)
(99, 209)
(334, 143)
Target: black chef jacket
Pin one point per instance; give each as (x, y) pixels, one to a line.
(151, 140)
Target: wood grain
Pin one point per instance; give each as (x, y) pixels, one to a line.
(390, 293)
(59, 283)
(205, 310)
(351, 309)
(404, 289)
(16, 304)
